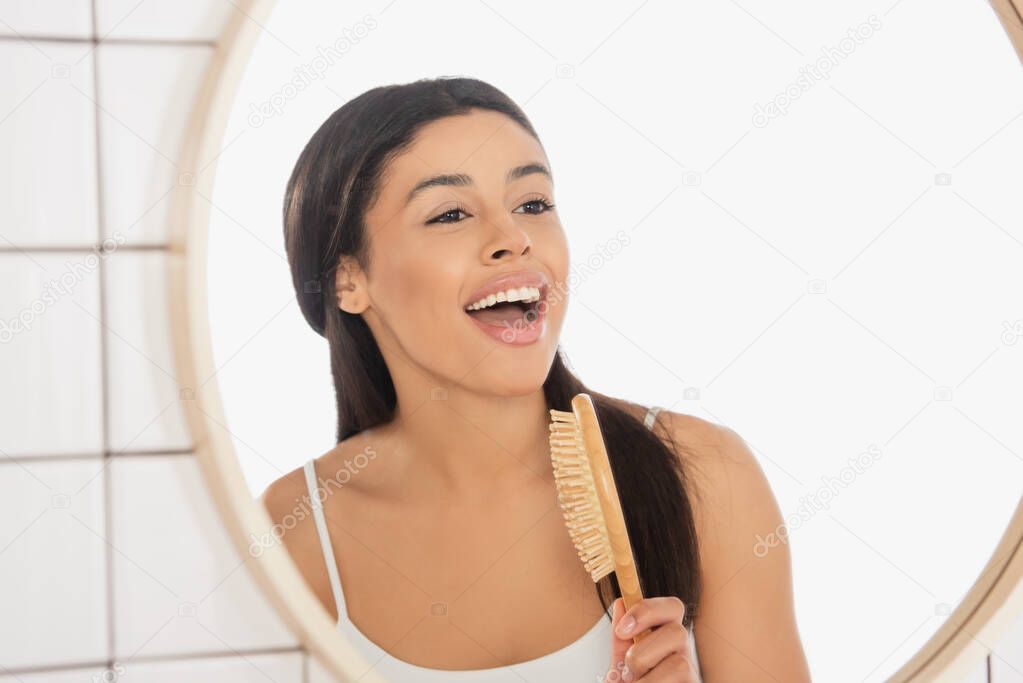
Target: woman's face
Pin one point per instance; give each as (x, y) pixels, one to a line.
(436, 249)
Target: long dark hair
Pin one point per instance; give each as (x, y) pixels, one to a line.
(335, 179)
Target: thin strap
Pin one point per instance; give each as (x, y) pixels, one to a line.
(321, 531)
(651, 415)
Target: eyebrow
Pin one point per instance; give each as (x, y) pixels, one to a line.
(462, 180)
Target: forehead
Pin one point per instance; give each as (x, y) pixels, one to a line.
(482, 144)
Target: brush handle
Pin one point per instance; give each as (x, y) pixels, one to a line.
(611, 506)
(628, 582)
(628, 577)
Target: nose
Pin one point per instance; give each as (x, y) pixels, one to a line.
(509, 240)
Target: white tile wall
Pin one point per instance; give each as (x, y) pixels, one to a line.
(145, 411)
(110, 565)
(47, 134)
(1007, 658)
(179, 586)
(257, 668)
(190, 20)
(90, 675)
(52, 401)
(146, 93)
(55, 18)
(979, 674)
(52, 563)
(181, 603)
(243, 668)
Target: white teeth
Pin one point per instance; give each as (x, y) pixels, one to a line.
(526, 294)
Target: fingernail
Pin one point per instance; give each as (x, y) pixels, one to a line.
(626, 624)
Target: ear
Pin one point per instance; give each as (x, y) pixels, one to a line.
(350, 286)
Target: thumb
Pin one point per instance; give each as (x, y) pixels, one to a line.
(618, 645)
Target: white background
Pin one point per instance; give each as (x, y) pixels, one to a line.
(821, 284)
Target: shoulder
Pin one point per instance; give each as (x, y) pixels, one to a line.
(745, 559)
(284, 494)
(734, 500)
(289, 494)
(733, 505)
(719, 463)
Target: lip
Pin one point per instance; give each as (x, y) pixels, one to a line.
(520, 278)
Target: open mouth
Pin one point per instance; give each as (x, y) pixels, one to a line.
(513, 307)
(507, 314)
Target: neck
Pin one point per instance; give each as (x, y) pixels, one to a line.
(465, 444)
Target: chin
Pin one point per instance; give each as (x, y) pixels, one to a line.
(514, 378)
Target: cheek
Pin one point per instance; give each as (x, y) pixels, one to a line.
(555, 255)
(563, 258)
(422, 283)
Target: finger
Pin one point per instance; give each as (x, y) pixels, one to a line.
(673, 669)
(618, 645)
(663, 642)
(648, 613)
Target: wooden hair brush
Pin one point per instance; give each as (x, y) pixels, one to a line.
(589, 499)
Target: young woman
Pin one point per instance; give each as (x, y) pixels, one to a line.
(421, 229)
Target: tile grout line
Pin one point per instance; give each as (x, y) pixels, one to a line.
(98, 455)
(240, 655)
(153, 659)
(95, 40)
(106, 455)
(104, 354)
(81, 248)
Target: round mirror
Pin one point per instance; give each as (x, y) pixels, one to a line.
(793, 225)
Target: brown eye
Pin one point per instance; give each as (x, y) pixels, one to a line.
(449, 216)
(540, 205)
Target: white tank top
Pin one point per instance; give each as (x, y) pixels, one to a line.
(582, 661)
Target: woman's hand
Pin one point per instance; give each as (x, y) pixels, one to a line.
(663, 656)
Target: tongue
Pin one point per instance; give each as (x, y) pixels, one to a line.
(499, 314)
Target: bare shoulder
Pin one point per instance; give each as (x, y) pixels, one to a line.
(284, 494)
(731, 498)
(748, 600)
(712, 455)
(334, 470)
(720, 460)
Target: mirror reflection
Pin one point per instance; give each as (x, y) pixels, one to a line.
(776, 249)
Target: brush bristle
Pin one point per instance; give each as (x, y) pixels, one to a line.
(577, 495)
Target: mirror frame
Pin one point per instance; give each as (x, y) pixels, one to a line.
(972, 630)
